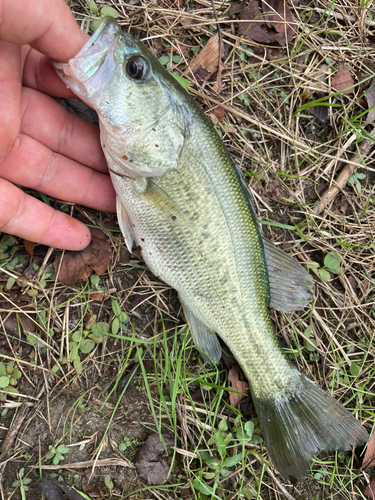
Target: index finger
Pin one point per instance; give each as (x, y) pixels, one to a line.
(47, 25)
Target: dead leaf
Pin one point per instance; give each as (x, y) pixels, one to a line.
(179, 49)
(344, 206)
(208, 58)
(237, 382)
(158, 44)
(370, 98)
(369, 458)
(29, 245)
(218, 112)
(279, 18)
(236, 379)
(320, 112)
(53, 490)
(271, 22)
(27, 323)
(124, 255)
(200, 74)
(79, 265)
(256, 31)
(342, 80)
(370, 489)
(97, 296)
(150, 465)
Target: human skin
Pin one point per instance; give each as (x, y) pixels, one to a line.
(42, 145)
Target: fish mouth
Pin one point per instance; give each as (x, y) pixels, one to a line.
(94, 64)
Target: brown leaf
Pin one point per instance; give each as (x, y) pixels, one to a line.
(200, 74)
(237, 382)
(370, 97)
(150, 465)
(369, 458)
(370, 489)
(320, 112)
(208, 57)
(255, 31)
(27, 323)
(236, 8)
(279, 18)
(29, 245)
(97, 296)
(219, 113)
(271, 24)
(80, 265)
(342, 80)
(344, 206)
(158, 44)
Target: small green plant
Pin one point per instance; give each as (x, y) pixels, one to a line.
(104, 11)
(332, 264)
(126, 443)
(245, 99)
(311, 345)
(84, 341)
(355, 179)
(108, 482)
(217, 464)
(9, 377)
(220, 127)
(48, 274)
(56, 454)
(22, 482)
(120, 320)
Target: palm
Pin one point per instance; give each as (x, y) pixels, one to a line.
(42, 145)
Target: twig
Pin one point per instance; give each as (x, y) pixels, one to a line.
(288, 496)
(343, 17)
(105, 462)
(345, 173)
(12, 434)
(218, 82)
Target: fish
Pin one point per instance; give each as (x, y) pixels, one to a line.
(184, 201)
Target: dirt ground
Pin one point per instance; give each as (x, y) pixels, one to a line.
(292, 154)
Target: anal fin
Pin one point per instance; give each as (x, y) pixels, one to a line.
(291, 286)
(205, 339)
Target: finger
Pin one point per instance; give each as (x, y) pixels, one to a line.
(39, 74)
(33, 165)
(24, 216)
(10, 92)
(47, 25)
(48, 122)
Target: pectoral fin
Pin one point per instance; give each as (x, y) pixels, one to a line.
(124, 223)
(291, 286)
(206, 340)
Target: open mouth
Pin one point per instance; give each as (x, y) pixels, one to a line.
(94, 64)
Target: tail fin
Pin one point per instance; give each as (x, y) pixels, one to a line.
(299, 424)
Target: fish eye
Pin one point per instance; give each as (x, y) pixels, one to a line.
(136, 68)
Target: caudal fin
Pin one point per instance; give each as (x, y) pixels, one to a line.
(299, 424)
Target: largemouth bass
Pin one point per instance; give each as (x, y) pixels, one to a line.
(182, 199)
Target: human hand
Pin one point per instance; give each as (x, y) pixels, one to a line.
(42, 145)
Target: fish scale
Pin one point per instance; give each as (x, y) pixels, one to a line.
(182, 199)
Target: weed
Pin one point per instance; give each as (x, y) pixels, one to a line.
(22, 482)
(120, 319)
(355, 179)
(332, 264)
(56, 453)
(9, 377)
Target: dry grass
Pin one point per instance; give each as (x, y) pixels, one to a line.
(289, 159)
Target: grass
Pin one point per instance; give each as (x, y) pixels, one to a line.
(288, 158)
